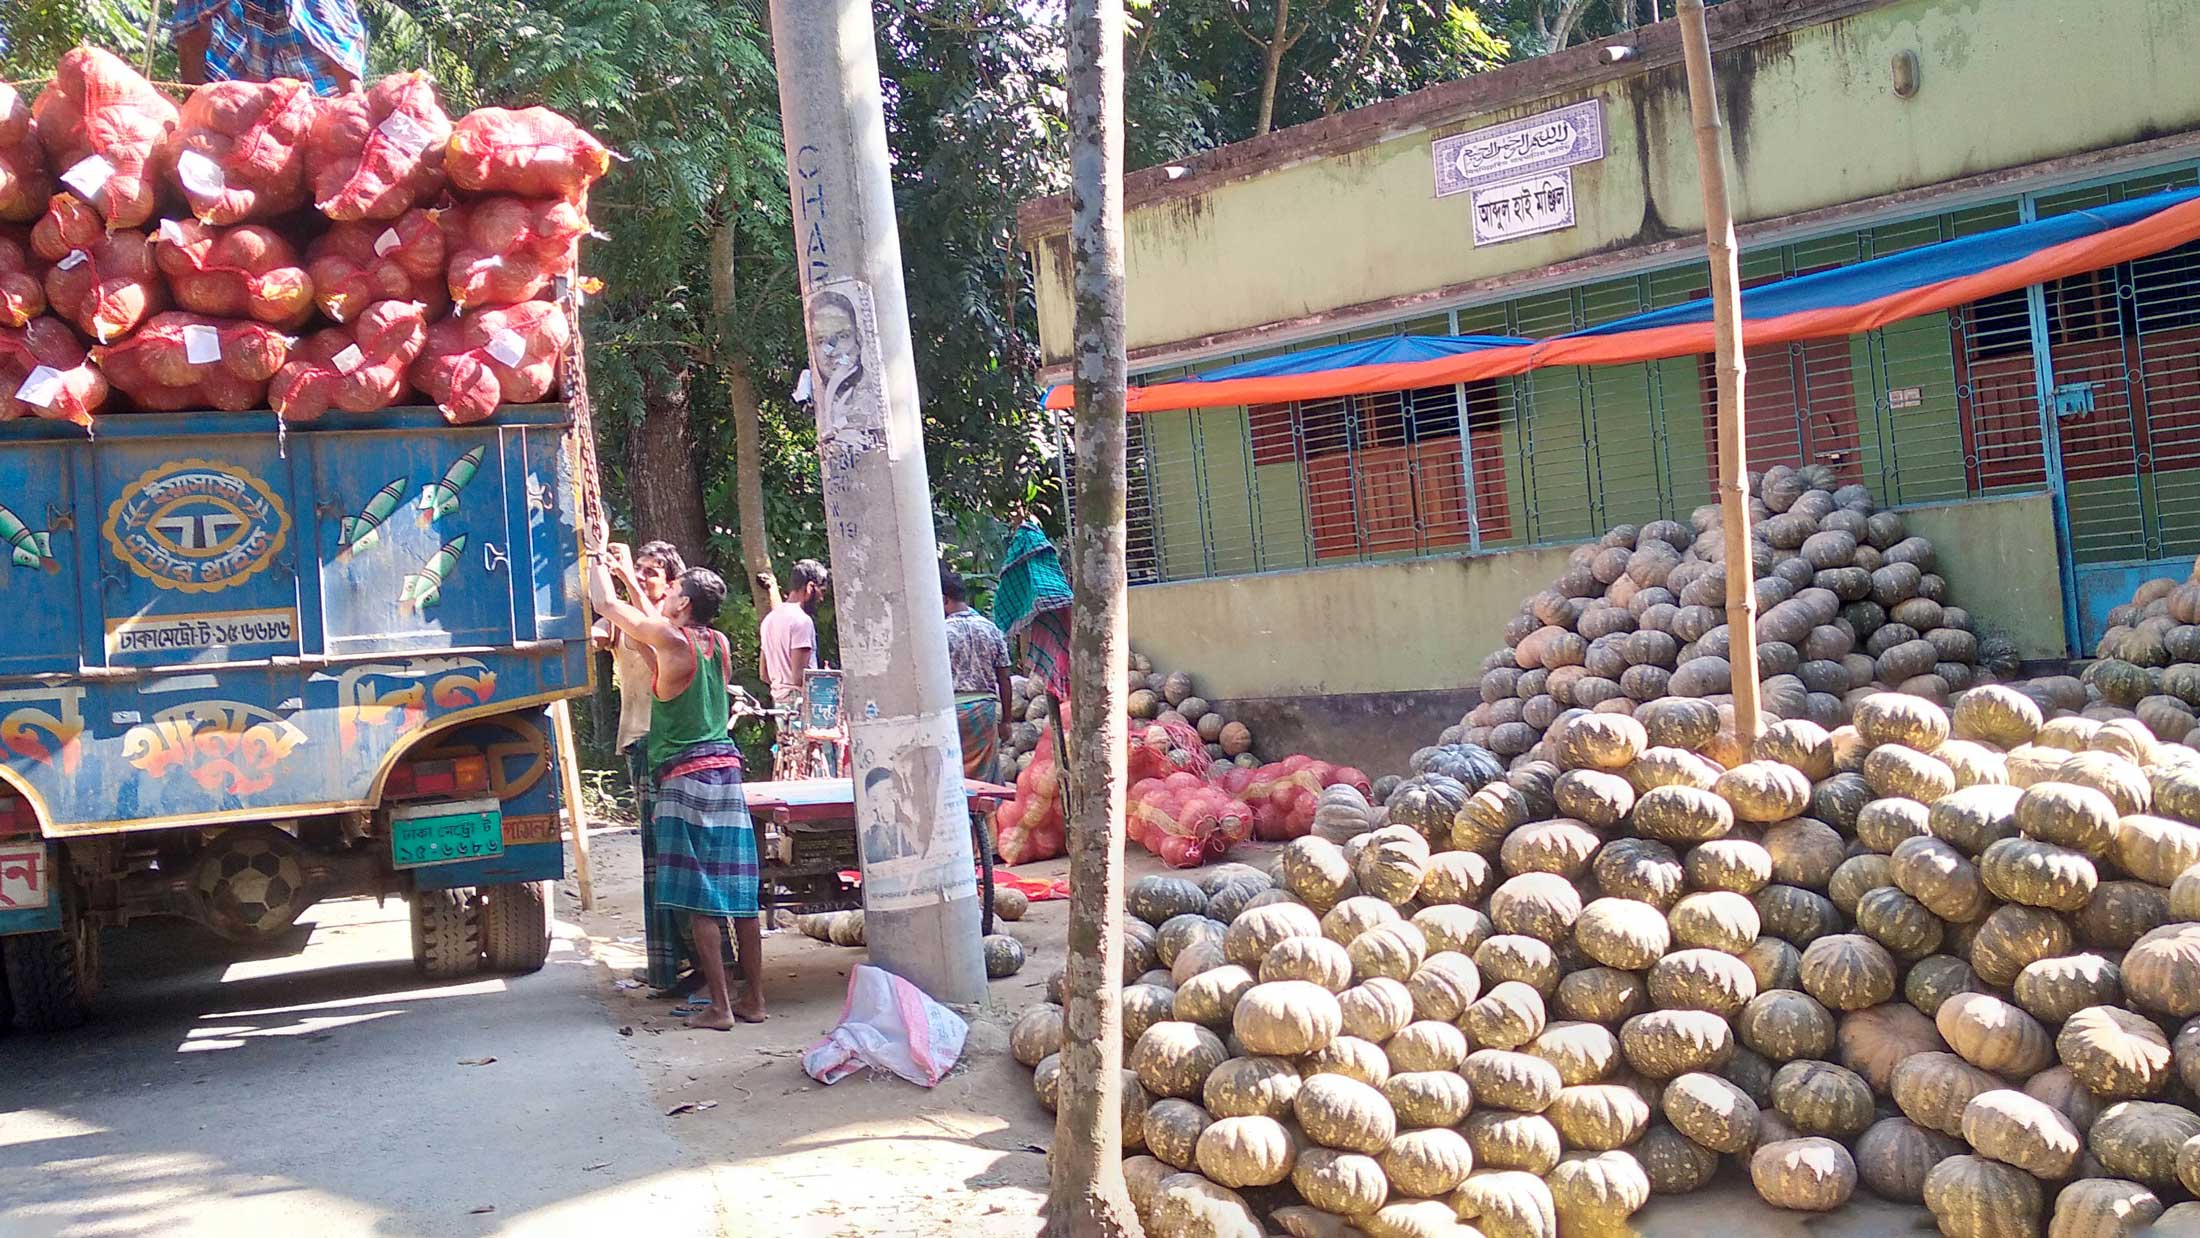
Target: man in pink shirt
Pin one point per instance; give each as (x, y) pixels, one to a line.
(789, 633)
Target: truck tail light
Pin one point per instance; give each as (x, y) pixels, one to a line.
(427, 779)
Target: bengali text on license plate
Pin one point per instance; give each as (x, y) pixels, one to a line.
(442, 840)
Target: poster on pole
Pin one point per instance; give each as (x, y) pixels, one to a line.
(1545, 142)
(1516, 209)
(912, 819)
(844, 362)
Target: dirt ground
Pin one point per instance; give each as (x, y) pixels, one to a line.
(874, 1157)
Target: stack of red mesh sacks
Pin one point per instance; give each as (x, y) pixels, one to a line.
(1284, 794)
(1029, 827)
(530, 171)
(24, 182)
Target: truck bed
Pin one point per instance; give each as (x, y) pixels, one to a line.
(213, 618)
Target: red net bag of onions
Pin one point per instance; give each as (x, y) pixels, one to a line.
(22, 292)
(534, 153)
(107, 134)
(240, 149)
(505, 250)
(355, 264)
(24, 183)
(44, 373)
(354, 369)
(191, 361)
(376, 153)
(243, 272)
(479, 360)
(103, 282)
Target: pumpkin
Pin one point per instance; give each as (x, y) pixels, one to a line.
(1502, 1139)
(1315, 959)
(1710, 1111)
(1458, 929)
(1581, 1052)
(1507, 1203)
(1426, 1163)
(1315, 870)
(1599, 742)
(1392, 951)
(1893, 718)
(1764, 791)
(1454, 877)
(1212, 997)
(1350, 1056)
(1142, 1179)
(1511, 1080)
(1715, 920)
(1200, 956)
(1283, 1017)
(1510, 1015)
(1345, 1114)
(2069, 815)
(1426, 1045)
(1735, 864)
(1428, 1097)
(1857, 876)
(1802, 916)
(1036, 1035)
(1893, 1157)
(1156, 898)
(1143, 1006)
(1390, 864)
(1994, 1035)
(1973, 1197)
(2060, 1088)
(1935, 979)
(1542, 905)
(1444, 986)
(1601, 995)
(1174, 1058)
(2038, 874)
(1254, 933)
(1183, 932)
(1808, 1175)
(1301, 1221)
(1339, 1182)
(2016, 1129)
(1563, 846)
(1784, 1025)
(1353, 916)
(1665, 1043)
(1774, 963)
(1900, 923)
(1884, 824)
(1702, 980)
(2162, 970)
(2120, 913)
(1375, 1009)
(1682, 814)
(2156, 849)
(1848, 971)
(1426, 803)
(1933, 1090)
(1873, 1042)
(2116, 1054)
(1642, 869)
(1529, 960)
(1251, 1087)
(1172, 1128)
(1819, 1098)
(1674, 1163)
(1940, 878)
(2140, 1140)
(1971, 818)
(1597, 1191)
(2013, 937)
(1996, 715)
(1188, 1204)
(1622, 933)
(1893, 770)
(1245, 1151)
(2053, 990)
(2104, 1208)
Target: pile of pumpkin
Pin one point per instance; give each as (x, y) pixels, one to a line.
(1847, 600)
(1949, 956)
(1154, 697)
(2149, 659)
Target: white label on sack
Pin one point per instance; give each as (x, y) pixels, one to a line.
(201, 175)
(348, 360)
(506, 346)
(40, 386)
(72, 260)
(172, 232)
(201, 344)
(89, 176)
(403, 132)
(386, 242)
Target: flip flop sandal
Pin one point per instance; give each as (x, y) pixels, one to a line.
(692, 1005)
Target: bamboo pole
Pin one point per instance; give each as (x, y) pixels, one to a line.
(569, 772)
(1726, 317)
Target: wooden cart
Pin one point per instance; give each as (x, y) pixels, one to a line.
(806, 838)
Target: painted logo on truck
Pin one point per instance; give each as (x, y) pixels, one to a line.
(197, 526)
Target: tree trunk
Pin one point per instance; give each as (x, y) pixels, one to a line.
(748, 463)
(1278, 43)
(1090, 1199)
(661, 472)
(1343, 81)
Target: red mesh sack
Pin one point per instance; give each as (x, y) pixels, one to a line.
(180, 361)
(243, 272)
(108, 135)
(1029, 827)
(240, 149)
(103, 282)
(354, 369)
(476, 361)
(505, 250)
(1185, 819)
(355, 264)
(24, 182)
(376, 153)
(22, 291)
(44, 373)
(534, 153)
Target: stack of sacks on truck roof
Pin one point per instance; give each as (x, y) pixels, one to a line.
(262, 247)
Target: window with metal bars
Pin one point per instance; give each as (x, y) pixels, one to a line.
(1382, 474)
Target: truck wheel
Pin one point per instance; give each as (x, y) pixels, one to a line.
(446, 930)
(515, 926)
(53, 977)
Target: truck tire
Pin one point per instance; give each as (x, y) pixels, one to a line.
(515, 926)
(446, 932)
(53, 977)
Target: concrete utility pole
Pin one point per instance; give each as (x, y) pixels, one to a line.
(919, 886)
(1726, 318)
(1090, 1198)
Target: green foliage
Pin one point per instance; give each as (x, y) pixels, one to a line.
(35, 33)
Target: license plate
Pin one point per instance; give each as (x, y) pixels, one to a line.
(446, 834)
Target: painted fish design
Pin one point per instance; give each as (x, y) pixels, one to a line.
(25, 548)
(359, 532)
(441, 499)
(423, 590)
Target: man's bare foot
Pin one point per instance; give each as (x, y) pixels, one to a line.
(750, 1011)
(711, 1020)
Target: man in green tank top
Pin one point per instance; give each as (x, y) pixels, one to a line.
(705, 842)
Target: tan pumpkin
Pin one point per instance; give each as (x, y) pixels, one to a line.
(1245, 1151)
(1391, 863)
(1874, 1041)
(1344, 1114)
(1973, 1197)
(1563, 846)
(1711, 1111)
(1245, 1087)
(1191, 1205)
(1390, 951)
(1036, 1034)
(1896, 771)
(1581, 1052)
(1510, 1015)
(1340, 1183)
(2104, 1208)
(1996, 715)
(1737, 864)
(1540, 905)
(1174, 1058)
(1511, 956)
(2018, 1130)
(1211, 997)
(1506, 1203)
(1622, 933)
(1601, 995)
(1715, 920)
(1502, 1139)
(1784, 1025)
(2161, 971)
(1848, 971)
(1933, 1090)
(1682, 814)
(1314, 869)
(1249, 938)
(1892, 718)
(1508, 1079)
(2060, 1088)
(1143, 1006)
(1351, 1057)
(1446, 927)
(1595, 1192)
(1458, 877)
(1374, 1010)
(1428, 1098)
(2140, 1140)
(1665, 1043)
(1994, 1035)
(1426, 1045)
(1807, 1175)
(1046, 1082)
(1427, 1163)
(1883, 824)
(1764, 791)
(1353, 916)
(1316, 959)
(1702, 980)
(1820, 1098)
(1172, 1128)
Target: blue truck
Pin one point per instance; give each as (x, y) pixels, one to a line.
(248, 667)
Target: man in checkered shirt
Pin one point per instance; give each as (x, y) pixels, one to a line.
(317, 41)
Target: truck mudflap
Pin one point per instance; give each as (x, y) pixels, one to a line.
(223, 622)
